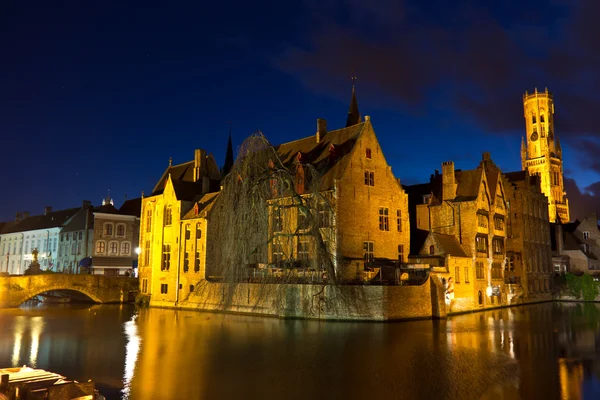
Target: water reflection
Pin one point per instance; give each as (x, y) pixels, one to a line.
(548, 351)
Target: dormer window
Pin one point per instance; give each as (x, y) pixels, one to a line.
(586, 235)
(368, 153)
(426, 198)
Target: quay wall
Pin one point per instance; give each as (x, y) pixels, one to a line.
(325, 302)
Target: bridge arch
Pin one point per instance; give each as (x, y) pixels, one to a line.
(59, 288)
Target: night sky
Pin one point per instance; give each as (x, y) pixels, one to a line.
(97, 95)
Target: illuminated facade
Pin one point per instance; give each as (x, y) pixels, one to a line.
(464, 216)
(541, 153)
(163, 241)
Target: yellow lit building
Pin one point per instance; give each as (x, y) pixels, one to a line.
(541, 153)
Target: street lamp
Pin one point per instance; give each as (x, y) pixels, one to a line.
(138, 250)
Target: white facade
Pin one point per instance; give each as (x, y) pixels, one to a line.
(16, 248)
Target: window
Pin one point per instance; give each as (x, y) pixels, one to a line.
(100, 247)
(149, 221)
(481, 243)
(369, 254)
(302, 219)
(401, 253)
(466, 274)
(166, 258)
(120, 230)
(432, 250)
(586, 248)
(147, 253)
(79, 248)
(303, 249)
(125, 248)
(277, 250)
(399, 220)
(277, 219)
(68, 236)
(164, 288)
(426, 198)
(384, 222)
(113, 247)
(168, 219)
(186, 262)
(496, 270)
(498, 244)
(198, 231)
(586, 235)
(457, 275)
(324, 215)
(369, 178)
(482, 221)
(73, 248)
(368, 151)
(197, 262)
(479, 270)
(498, 223)
(533, 119)
(188, 233)
(541, 117)
(108, 229)
(191, 288)
(144, 285)
(80, 235)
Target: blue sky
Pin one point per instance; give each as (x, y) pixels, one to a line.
(98, 96)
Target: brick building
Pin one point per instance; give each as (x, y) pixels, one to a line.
(528, 244)
(465, 213)
(576, 246)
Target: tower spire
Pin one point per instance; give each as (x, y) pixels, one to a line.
(228, 155)
(353, 113)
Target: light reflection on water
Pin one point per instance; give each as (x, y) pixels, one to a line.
(545, 351)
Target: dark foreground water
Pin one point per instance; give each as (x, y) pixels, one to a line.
(546, 351)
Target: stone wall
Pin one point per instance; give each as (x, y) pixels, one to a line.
(371, 303)
(14, 290)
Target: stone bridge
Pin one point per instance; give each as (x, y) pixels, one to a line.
(15, 290)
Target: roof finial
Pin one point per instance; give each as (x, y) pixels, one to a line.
(170, 161)
(353, 113)
(353, 78)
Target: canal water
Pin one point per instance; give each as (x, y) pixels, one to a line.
(544, 351)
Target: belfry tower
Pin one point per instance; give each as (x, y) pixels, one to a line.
(541, 153)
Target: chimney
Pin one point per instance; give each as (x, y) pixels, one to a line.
(199, 164)
(19, 216)
(25, 214)
(86, 204)
(321, 128)
(47, 210)
(449, 181)
(486, 156)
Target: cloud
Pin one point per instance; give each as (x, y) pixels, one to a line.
(479, 61)
(588, 149)
(582, 203)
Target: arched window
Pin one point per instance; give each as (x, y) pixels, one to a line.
(121, 230)
(113, 247)
(100, 247)
(168, 215)
(533, 119)
(198, 231)
(125, 248)
(432, 250)
(149, 220)
(542, 118)
(108, 229)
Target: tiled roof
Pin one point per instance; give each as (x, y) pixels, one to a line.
(51, 220)
(417, 240)
(205, 203)
(330, 162)
(449, 244)
(184, 172)
(468, 184)
(8, 227)
(131, 207)
(187, 190)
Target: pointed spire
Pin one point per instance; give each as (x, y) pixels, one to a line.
(228, 155)
(353, 113)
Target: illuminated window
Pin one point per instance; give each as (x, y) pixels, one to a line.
(149, 221)
(481, 243)
(113, 247)
(457, 275)
(166, 258)
(277, 219)
(479, 270)
(120, 230)
(277, 252)
(303, 249)
(399, 220)
(369, 253)
(466, 274)
(168, 219)
(100, 247)
(147, 253)
(384, 221)
(498, 245)
(496, 270)
(498, 223)
(125, 248)
(108, 230)
(369, 178)
(401, 253)
(324, 215)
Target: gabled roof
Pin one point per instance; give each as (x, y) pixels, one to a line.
(183, 172)
(417, 240)
(53, 219)
(468, 183)
(205, 203)
(449, 244)
(329, 156)
(187, 191)
(132, 207)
